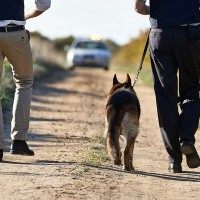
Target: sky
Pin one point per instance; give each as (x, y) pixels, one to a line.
(111, 19)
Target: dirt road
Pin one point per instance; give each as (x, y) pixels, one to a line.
(66, 116)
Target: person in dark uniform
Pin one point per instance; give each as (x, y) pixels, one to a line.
(15, 46)
(174, 45)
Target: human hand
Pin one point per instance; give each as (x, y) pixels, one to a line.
(141, 8)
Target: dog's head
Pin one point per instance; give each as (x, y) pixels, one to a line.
(117, 86)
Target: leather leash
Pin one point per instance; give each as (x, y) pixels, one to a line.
(141, 61)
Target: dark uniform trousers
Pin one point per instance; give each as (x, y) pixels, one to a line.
(175, 60)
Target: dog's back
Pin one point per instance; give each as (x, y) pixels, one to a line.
(122, 118)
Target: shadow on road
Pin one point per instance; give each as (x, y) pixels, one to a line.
(186, 176)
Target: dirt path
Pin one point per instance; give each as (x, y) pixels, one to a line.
(67, 113)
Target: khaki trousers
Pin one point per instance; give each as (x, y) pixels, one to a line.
(15, 47)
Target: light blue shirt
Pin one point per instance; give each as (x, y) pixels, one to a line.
(42, 5)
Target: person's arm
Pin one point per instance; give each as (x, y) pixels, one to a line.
(32, 13)
(141, 8)
(41, 6)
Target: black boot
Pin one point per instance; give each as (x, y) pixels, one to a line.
(1, 155)
(20, 147)
(192, 157)
(175, 168)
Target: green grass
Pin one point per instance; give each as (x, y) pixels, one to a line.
(145, 75)
(96, 154)
(7, 85)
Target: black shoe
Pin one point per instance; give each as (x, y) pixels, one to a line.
(20, 147)
(175, 168)
(192, 157)
(1, 155)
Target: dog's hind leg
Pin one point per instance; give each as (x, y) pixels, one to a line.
(113, 148)
(112, 136)
(131, 156)
(128, 154)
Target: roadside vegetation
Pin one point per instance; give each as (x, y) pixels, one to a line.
(43, 64)
(128, 57)
(7, 85)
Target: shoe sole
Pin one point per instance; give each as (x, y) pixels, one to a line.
(192, 157)
(20, 153)
(186, 149)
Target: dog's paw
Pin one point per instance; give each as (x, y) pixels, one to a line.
(128, 168)
(132, 168)
(117, 162)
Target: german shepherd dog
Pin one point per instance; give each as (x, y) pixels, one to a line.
(122, 113)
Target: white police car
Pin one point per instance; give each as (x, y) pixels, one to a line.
(88, 52)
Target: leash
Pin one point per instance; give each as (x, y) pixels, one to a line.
(141, 61)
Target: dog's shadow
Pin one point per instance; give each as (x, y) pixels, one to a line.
(189, 176)
(185, 176)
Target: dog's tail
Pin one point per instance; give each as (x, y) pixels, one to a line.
(113, 134)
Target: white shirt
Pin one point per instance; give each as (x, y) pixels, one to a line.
(40, 5)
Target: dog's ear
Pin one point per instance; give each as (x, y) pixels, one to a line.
(128, 80)
(115, 81)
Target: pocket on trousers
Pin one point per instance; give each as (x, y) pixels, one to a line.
(20, 39)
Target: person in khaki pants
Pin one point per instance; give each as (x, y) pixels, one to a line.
(15, 46)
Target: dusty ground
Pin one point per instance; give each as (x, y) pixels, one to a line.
(66, 114)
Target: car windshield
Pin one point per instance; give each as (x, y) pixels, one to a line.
(90, 45)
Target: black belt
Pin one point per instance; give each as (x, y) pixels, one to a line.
(11, 28)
